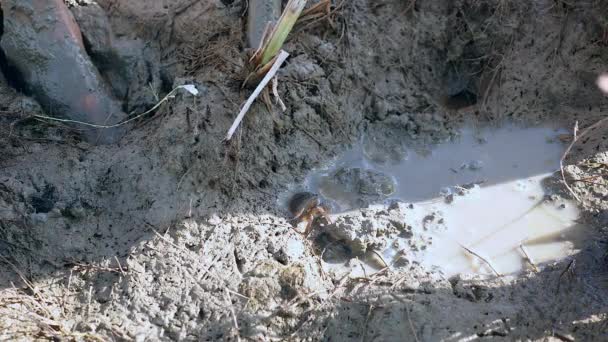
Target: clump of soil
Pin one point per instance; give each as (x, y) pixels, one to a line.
(173, 235)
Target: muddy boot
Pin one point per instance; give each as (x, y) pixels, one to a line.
(130, 66)
(43, 42)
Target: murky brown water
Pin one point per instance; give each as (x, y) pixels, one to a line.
(504, 215)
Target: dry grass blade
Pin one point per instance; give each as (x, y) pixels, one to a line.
(409, 318)
(528, 258)
(232, 312)
(318, 10)
(275, 92)
(273, 70)
(279, 33)
(575, 138)
(272, 42)
(36, 316)
(561, 162)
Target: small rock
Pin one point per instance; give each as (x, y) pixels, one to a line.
(327, 50)
(295, 249)
(38, 218)
(360, 234)
(401, 261)
(357, 187)
(449, 199)
(302, 68)
(384, 148)
(380, 107)
(75, 212)
(214, 220)
(394, 206)
(289, 254)
(54, 213)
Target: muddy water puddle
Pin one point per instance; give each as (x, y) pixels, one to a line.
(480, 196)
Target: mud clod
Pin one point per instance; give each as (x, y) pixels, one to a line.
(357, 187)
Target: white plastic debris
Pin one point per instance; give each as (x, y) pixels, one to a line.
(191, 88)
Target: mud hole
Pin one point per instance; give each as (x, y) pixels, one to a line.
(171, 234)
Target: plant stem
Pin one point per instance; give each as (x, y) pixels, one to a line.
(281, 30)
(260, 13)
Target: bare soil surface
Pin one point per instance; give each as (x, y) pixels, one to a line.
(173, 234)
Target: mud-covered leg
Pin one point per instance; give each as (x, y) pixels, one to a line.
(304, 218)
(322, 211)
(325, 214)
(309, 221)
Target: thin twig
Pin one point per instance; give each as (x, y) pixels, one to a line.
(80, 267)
(409, 7)
(409, 319)
(528, 258)
(119, 265)
(376, 276)
(363, 268)
(27, 282)
(408, 315)
(569, 269)
(482, 258)
(508, 224)
(561, 161)
(326, 247)
(89, 300)
(68, 290)
(310, 135)
(563, 337)
(223, 91)
(275, 92)
(575, 138)
(399, 281)
(168, 96)
(273, 70)
(236, 324)
(367, 318)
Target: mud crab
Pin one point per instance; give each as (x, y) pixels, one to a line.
(307, 207)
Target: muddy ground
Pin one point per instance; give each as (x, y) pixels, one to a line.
(172, 234)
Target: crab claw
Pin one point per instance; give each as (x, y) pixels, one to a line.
(322, 211)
